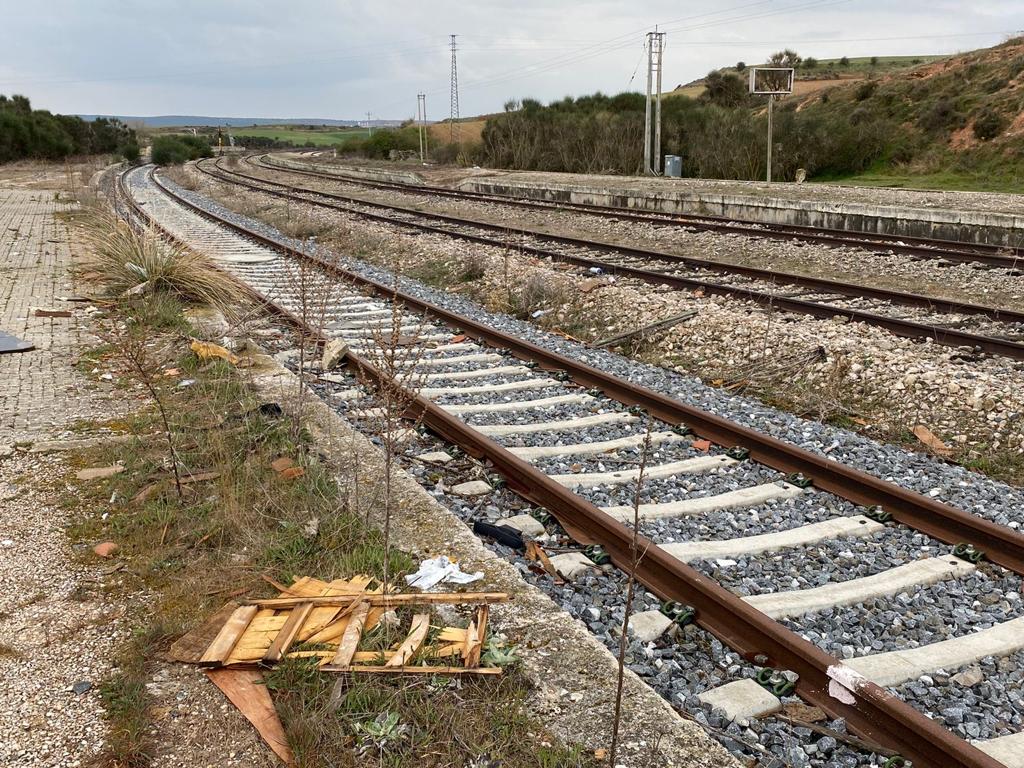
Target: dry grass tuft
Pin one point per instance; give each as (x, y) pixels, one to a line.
(124, 263)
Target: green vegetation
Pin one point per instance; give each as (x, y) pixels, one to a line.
(236, 522)
(27, 133)
(952, 126)
(435, 723)
(300, 137)
(383, 141)
(174, 150)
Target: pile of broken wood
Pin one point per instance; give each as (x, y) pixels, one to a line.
(329, 622)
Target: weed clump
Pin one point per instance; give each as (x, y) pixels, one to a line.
(123, 263)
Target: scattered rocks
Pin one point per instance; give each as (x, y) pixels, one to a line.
(99, 473)
(472, 488)
(106, 549)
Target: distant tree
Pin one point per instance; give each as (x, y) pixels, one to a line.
(785, 58)
(724, 90)
(810, 63)
(740, 66)
(844, 62)
(874, 61)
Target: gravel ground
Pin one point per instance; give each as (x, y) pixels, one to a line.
(851, 558)
(982, 701)
(57, 626)
(960, 282)
(973, 402)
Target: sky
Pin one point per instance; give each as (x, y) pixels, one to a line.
(340, 59)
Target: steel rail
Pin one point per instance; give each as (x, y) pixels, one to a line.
(756, 273)
(1007, 257)
(874, 713)
(899, 327)
(1001, 544)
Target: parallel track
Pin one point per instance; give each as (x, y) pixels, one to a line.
(828, 298)
(875, 714)
(915, 247)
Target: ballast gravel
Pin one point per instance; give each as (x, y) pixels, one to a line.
(682, 667)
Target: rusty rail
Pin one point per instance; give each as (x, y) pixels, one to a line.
(1007, 257)
(823, 680)
(905, 328)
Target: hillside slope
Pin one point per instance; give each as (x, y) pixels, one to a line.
(959, 121)
(815, 74)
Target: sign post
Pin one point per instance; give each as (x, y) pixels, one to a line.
(771, 81)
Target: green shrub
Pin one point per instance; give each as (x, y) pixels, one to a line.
(941, 115)
(36, 133)
(866, 90)
(988, 124)
(174, 150)
(130, 152)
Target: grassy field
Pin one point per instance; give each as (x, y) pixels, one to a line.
(863, 65)
(942, 181)
(302, 136)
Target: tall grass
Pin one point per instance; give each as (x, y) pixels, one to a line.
(121, 263)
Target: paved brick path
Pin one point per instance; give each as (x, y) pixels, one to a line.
(40, 391)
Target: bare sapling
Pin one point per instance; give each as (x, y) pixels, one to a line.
(130, 343)
(311, 289)
(396, 355)
(635, 557)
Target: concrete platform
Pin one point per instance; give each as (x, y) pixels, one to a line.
(865, 211)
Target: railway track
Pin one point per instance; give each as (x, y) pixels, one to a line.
(981, 328)
(567, 437)
(915, 247)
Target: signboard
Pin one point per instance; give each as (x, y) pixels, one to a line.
(771, 81)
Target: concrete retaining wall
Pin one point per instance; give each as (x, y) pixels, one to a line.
(938, 223)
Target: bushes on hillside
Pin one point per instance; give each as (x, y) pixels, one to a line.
(605, 134)
(27, 133)
(383, 140)
(174, 150)
(988, 124)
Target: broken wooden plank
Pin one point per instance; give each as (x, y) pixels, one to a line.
(353, 633)
(471, 648)
(190, 647)
(483, 614)
(386, 601)
(229, 634)
(661, 325)
(287, 634)
(245, 689)
(414, 670)
(417, 634)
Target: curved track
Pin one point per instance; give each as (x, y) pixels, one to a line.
(527, 421)
(915, 247)
(995, 331)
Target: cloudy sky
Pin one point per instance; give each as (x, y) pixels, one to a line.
(342, 58)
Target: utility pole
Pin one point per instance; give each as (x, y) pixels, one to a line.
(369, 125)
(655, 48)
(454, 115)
(421, 118)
